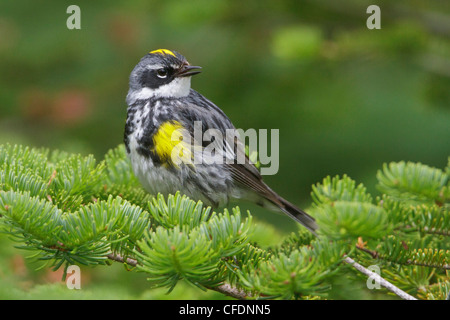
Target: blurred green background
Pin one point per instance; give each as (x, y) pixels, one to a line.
(346, 99)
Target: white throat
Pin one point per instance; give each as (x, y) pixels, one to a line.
(178, 87)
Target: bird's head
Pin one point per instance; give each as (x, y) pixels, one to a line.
(161, 73)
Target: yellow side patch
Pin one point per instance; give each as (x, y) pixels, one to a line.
(163, 51)
(170, 144)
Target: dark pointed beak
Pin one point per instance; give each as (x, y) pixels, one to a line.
(187, 71)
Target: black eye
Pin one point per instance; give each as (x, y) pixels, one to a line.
(161, 73)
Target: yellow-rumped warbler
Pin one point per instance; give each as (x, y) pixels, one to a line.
(166, 153)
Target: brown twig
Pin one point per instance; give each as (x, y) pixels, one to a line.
(118, 258)
(409, 262)
(230, 291)
(225, 288)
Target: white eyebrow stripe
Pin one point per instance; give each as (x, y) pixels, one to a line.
(154, 66)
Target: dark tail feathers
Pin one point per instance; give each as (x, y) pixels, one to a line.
(299, 215)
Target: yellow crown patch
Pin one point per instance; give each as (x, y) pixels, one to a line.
(163, 51)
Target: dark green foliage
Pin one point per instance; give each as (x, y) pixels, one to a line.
(69, 209)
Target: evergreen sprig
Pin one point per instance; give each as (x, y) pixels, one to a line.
(193, 251)
(414, 182)
(298, 273)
